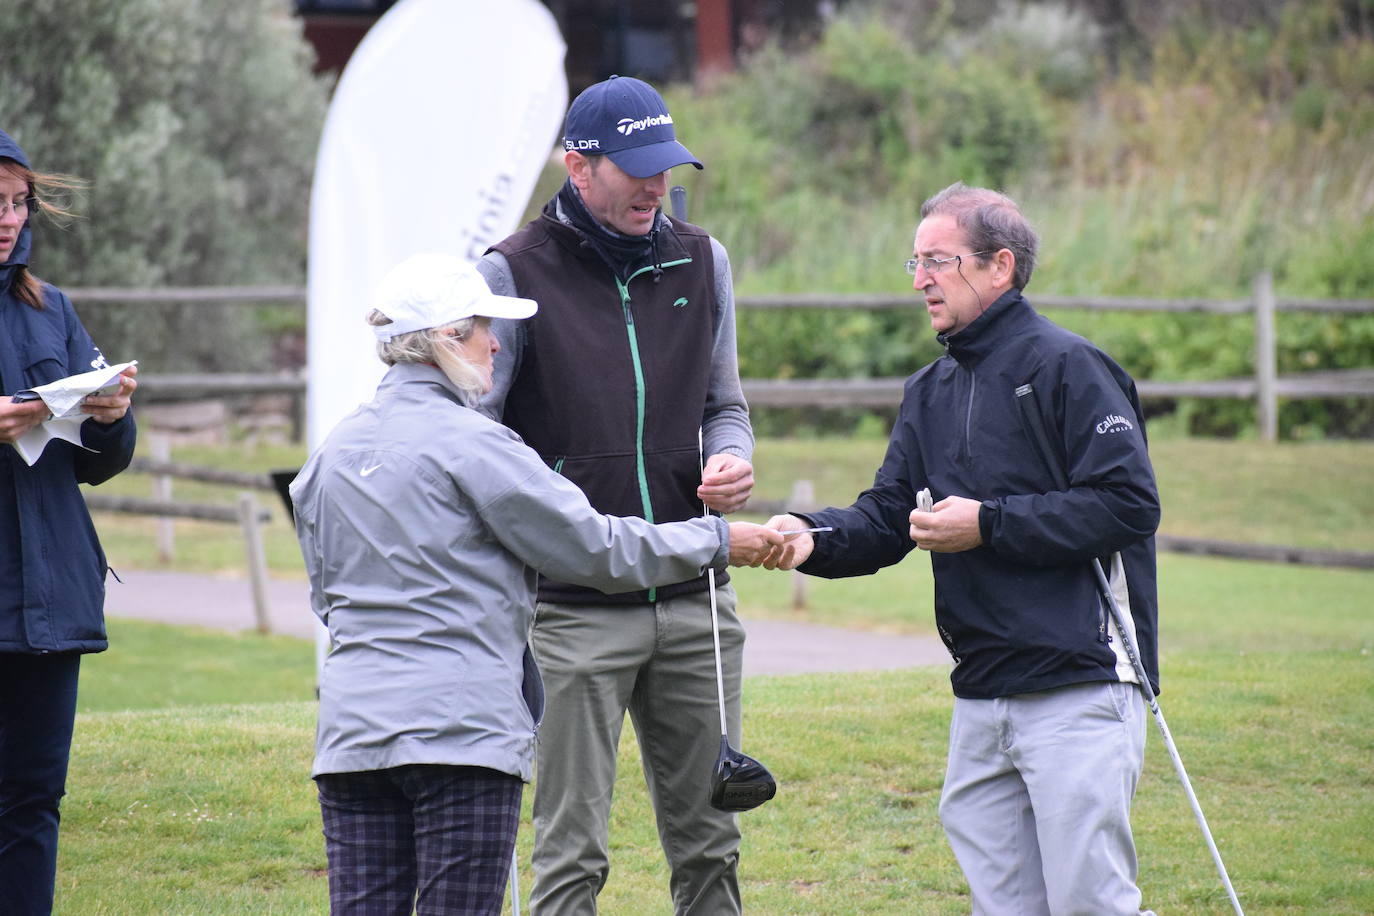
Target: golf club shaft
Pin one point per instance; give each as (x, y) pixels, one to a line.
(1153, 702)
(1031, 413)
(711, 587)
(715, 641)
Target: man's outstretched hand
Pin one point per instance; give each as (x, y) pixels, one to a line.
(792, 549)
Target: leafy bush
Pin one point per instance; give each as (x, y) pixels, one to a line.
(1238, 144)
(195, 123)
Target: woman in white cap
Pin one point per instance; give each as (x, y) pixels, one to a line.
(423, 523)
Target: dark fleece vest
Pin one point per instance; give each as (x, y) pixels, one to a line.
(612, 385)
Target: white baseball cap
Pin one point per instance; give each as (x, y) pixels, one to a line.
(431, 290)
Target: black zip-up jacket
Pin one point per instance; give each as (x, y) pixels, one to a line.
(1021, 612)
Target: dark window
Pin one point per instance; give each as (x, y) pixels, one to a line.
(344, 7)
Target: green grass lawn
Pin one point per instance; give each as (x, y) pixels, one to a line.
(189, 791)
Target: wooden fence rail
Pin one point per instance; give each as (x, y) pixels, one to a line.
(887, 392)
(869, 392)
(241, 479)
(296, 296)
(246, 512)
(1265, 387)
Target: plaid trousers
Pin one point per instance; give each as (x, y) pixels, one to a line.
(424, 838)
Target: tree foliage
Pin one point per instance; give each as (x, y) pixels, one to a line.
(1163, 153)
(195, 124)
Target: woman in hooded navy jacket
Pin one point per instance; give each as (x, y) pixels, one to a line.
(52, 569)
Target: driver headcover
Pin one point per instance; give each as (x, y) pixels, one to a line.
(740, 781)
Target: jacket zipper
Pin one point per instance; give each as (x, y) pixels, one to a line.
(641, 471)
(968, 414)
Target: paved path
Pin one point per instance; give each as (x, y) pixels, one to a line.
(773, 647)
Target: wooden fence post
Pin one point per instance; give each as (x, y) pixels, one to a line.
(257, 559)
(1266, 359)
(162, 492)
(803, 495)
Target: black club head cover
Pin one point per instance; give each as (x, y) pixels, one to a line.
(740, 782)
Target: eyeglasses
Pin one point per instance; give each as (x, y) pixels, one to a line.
(21, 208)
(935, 265)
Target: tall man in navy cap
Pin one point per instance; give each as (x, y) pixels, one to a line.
(631, 353)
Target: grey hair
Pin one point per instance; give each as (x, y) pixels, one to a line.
(991, 221)
(434, 346)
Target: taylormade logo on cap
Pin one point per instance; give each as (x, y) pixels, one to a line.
(627, 120)
(628, 126)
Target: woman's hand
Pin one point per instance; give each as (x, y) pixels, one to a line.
(795, 548)
(17, 419)
(750, 543)
(111, 407)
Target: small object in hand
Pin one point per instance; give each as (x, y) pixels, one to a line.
(923, 501)
(806, 531)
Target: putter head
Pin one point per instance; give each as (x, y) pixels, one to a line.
(740, 782)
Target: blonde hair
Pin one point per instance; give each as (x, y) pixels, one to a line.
(435, 346)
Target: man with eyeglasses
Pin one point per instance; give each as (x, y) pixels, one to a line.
(1047, 737)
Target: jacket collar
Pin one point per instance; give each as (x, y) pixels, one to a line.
(668, 249)
(989, 330)
(418, 373)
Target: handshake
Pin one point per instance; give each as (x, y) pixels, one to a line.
(783, 543)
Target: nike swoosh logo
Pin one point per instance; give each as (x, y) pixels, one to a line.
(366, 471)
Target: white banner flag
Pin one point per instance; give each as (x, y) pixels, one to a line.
(440, 125)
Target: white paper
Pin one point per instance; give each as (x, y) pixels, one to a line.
(63, 399)
(30, 445)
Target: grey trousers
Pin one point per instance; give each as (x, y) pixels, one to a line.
(1037, 800)
(656, 662)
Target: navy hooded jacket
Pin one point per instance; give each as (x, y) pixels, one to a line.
(1021, 612)
(52, 568)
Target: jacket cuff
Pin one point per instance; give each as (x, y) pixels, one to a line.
(96, 430)
(721, 561)
(987, 518)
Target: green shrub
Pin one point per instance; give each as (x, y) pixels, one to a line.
(1235, 147)
(195, 123)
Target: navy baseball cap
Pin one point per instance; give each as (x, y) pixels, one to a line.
(627, 120)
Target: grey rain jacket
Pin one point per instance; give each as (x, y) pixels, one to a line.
(52, 568)
(423, 523)
(1021, 612)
